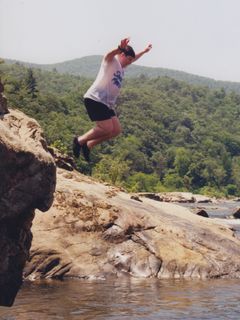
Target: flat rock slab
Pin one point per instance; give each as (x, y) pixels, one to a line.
(94, 230)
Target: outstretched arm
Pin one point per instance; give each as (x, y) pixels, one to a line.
(110, 55)
(138, 55)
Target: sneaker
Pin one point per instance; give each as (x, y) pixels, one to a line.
(76, 147)
(86, 152)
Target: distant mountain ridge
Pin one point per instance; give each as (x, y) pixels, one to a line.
(88, 67)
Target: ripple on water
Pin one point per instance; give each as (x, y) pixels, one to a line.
(148, 299)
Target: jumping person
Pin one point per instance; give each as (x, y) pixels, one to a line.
(100, 98)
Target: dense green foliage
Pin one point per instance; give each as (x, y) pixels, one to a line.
(88, 67)
(176, 136)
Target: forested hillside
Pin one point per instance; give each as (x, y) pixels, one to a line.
(176, 136)
(88, 67)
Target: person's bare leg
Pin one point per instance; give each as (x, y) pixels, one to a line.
(102, 129)
(116, 130)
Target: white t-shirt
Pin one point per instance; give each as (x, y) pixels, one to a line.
(106, 87)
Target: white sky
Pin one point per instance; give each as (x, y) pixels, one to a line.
(196, 36)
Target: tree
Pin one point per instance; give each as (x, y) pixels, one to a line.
(112, 170)
(31, 83)
(142, 182)
(173, 181)
(182, 161)
(213, 172)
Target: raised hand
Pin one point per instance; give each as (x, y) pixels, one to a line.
(124, 42)
(148, 48)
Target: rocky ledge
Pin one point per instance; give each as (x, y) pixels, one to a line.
(27, 182)
(94, 230)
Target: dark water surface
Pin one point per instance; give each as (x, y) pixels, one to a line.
(149, 299)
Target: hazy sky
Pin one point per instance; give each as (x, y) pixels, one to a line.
(196, 36)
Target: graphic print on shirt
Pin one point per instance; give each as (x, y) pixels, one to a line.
(117, 79)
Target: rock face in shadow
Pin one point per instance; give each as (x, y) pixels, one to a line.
(98, 231)
(236, 214)
(27, 182)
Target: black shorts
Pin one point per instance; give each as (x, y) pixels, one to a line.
(98, 111)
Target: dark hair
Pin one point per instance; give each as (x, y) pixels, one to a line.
(128, 51)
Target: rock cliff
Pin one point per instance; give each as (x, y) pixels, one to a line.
(94, 230)
(27, 182)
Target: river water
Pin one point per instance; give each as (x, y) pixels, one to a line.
(131, 299)
(128, 299)
(220, 210)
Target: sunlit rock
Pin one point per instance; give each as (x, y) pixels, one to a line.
(94, 230)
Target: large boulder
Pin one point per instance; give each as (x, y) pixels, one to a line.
(27, 182)
(98, 231)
